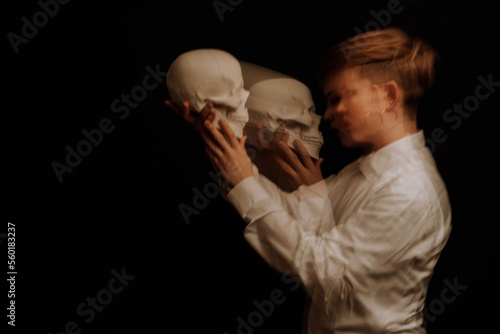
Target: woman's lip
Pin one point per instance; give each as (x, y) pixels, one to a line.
(345, 125)
(340, 126)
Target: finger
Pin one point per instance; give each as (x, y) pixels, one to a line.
(303, 154)
(211, 116)
(207, 109)
(213, 157)
(204, 114)
(279, 133)
(290, 174)
(284, 166)
(290, 157)
(210, 153)
(212, 146)
(173, 106)
(318, 163)
(185, 110)
(217, 136)
(260, 136)
(242, 142)
(229, 133)
(285, 137)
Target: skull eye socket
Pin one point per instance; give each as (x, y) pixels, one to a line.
(231, 113)
(221, 107)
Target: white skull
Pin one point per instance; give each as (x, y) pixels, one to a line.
(204, 75)
(276, 97)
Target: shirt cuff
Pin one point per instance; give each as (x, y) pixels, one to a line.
(245, 194)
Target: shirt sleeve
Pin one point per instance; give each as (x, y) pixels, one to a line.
(303, 203)
(392, 230)
(305, 210)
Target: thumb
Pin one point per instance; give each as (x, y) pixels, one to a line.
(242, 141)
(318, 163)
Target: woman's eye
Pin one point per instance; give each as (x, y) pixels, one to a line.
(334, 100)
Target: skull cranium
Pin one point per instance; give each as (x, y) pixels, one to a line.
(275, 98)
(214, 75)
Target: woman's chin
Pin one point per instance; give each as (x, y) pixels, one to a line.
(346, 139)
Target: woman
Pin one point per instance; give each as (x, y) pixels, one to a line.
(380, 224)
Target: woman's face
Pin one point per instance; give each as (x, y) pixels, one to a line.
(354, 108)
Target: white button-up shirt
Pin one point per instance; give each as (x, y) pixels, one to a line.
(364, 242)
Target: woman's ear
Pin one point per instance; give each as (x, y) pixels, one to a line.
(393, 94)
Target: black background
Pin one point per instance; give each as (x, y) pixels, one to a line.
(119, 208)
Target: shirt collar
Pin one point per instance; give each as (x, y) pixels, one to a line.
(381, 160)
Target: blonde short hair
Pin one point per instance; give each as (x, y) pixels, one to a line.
(384, 55)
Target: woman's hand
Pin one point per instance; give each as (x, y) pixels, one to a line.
(228, 156)
(269, 141)
(195, 119)
(298, 168)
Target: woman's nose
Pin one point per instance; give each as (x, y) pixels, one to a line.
(333, 112)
